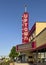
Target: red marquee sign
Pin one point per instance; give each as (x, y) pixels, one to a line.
(25, 28)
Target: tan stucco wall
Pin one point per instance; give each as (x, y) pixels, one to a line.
(41, 39)
(40, 26)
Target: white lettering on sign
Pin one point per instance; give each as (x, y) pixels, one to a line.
(25, 29)
(25, 20)
(25, 15)
(25, 46)
(25, 33)
(25, 38)
(26, 24)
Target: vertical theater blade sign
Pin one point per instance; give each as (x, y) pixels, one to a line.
(25, 19)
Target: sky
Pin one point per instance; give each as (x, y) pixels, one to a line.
(11, 20)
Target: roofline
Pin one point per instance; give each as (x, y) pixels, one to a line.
(41, 32)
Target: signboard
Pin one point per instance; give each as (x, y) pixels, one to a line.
(23, 47)
(25, 28)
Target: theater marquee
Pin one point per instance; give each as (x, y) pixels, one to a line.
(23, 47)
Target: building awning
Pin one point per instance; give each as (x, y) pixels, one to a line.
(40, 48)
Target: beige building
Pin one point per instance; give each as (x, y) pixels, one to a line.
(37, 43)
(38, 33)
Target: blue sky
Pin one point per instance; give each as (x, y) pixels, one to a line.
(11, 23)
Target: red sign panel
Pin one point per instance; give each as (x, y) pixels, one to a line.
(25, 28)
(34, 44)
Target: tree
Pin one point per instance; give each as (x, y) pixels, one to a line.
(13, 53)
